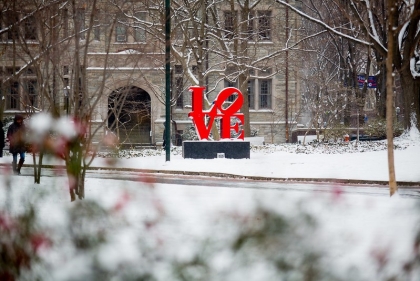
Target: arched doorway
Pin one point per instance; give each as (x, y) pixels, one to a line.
(129, 116)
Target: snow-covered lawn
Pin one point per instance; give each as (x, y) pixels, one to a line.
(129, 230)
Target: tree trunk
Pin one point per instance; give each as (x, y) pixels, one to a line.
(37, 167)
(243, 77)
(381, 93)
(389, 98)
(76, 185)
(76, 170)
(243, 87)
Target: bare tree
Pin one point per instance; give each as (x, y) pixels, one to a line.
(366, 25)
(395, 39)
(50, 42)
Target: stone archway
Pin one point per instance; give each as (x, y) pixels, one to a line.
(129, 116)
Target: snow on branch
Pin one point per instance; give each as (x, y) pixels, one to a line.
(326, 26)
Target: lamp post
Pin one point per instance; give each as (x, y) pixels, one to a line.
(66, 92)
(358, 126)
(168, 79)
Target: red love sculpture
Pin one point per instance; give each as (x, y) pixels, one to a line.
(199, 116)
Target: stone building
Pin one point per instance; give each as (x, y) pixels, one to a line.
(107, 62)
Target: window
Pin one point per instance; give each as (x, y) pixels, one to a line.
(179, 85)
(139, 31)
(12, 98)
(264, 25)
(30, 71)
(26, 29)
(178, 69)
(251, 93)
(1, 25)
(30, 28)
(80, 23)
(251, 30)
(265, 93)
(12, 19)
(65, 23)
(21, 91)
(231, 80)
(194, 69)
(66, 70)
(178, 31)
(228, 83)
(32, 96)
(11, 71)
(96, 26)
(179, 92)
(121, 29)
(230, 20)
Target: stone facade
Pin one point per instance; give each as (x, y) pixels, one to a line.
(139, 66)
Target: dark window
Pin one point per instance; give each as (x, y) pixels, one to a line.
(65, 23)
(30, 28)
(230, 20)
(80, 23)
(251, 93)
(11, 71)
(265, 93)
(194, 69)
(12, 99)
(30, 88)
(179, 92)
(264, 25)
(12, 20)
(30, 71)
(1, 25)
(178, 69)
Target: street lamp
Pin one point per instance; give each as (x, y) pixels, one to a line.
(66, 92)
(397, 111)
(168, 78)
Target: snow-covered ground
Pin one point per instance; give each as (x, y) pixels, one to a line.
(358, 161)
(126, 229)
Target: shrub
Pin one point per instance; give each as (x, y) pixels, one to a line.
(377, 128)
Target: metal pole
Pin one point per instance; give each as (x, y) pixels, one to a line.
(168, 79)
(286, 114)
(358, 125)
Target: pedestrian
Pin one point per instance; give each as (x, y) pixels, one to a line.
(16, 135)
(1, 138)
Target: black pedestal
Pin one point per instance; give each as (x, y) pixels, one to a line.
(236, 149)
